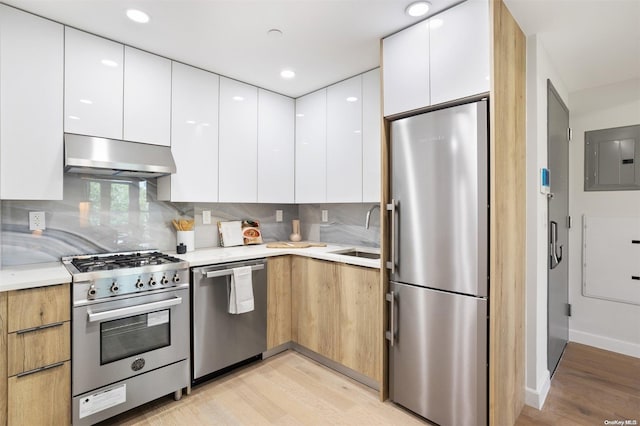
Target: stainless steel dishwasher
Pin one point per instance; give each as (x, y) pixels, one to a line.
(221, 339)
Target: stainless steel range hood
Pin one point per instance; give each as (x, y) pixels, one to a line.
(101, 156)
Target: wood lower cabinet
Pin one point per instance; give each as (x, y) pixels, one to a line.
(335, 312)
(278, 301)
(35, 334)
(42, 398)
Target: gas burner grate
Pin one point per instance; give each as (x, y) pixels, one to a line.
(109, 262)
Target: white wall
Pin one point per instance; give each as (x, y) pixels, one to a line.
(539, 69)
(609, 325)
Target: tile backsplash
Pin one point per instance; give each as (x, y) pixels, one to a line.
(99, 215)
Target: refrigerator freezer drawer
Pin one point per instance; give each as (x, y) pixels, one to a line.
(438, 363)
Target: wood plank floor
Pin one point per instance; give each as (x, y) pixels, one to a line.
(287, 389)
(590, 386)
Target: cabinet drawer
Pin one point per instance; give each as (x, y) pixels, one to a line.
(38, 306)
(37, 348)
(42, 398)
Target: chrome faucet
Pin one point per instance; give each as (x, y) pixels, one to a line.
(368, 220)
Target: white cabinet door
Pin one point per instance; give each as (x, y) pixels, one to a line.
(31, 91)
(275, 148)
(405, 58)
(147, 98)
(371, 136)
(311, 144)
(344, 141)
(194, 137)
(238, 162)
(93, 82)
(460, 52)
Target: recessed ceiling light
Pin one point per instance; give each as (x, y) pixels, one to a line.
(238, 98)
(85, 101)
(352, 99)
(417, 8)
(73, 117)
(109, 63)
(299, 115)
(191, 122)
(288, 74)
(274, 33)
(137, 16)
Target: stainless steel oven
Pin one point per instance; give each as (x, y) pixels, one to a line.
(130, 338)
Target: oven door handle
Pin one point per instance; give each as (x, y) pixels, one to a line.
(132, 310)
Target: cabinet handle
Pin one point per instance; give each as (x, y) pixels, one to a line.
(40, 327)
(37, 370)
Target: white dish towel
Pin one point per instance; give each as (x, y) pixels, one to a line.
(241, 294)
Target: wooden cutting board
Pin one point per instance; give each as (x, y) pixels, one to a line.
(290, 244)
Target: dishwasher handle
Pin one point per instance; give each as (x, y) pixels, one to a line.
(225, 272)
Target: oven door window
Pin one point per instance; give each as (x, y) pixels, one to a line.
(134, 335)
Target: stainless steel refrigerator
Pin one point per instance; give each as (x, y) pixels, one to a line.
(439, 264)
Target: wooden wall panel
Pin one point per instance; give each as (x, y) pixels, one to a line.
(507, 221)
(3, 358)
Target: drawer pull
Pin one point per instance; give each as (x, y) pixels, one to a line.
(635, 277)
(37, 370)
(40, 327)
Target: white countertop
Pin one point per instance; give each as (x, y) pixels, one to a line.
(209, 256)
(30, 276)
(45, 274)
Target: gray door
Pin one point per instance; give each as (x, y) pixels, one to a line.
(439, 184)
(438, 361)
(558, 230)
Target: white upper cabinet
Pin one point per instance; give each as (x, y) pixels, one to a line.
(311, 147)
(460, 52)
(238, 163)
(371, 136)
(31, 91)
(147, 98)
(275, 148)
(194, 137)
(405, 58)
(344, 141)
(93, 85)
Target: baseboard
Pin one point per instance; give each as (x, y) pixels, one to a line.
(535, 397)
(606, 343)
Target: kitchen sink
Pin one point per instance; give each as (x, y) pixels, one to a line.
(358, 253)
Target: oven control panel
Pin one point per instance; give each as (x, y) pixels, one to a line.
(128, 284)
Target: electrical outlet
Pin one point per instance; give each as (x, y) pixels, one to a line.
(206, 217)
(325, 215)
(36, 221)
(278, 215)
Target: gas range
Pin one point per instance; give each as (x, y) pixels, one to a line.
(115, 274)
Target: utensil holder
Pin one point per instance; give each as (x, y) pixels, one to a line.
(295, 227)
(187, 238)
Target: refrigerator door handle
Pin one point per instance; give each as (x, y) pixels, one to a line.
(391, 264)
(391, 334)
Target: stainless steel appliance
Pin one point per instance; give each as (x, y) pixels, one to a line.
(130, 338)
(221, 339)
(439, 264)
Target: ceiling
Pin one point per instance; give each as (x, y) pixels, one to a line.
(591, 42)
(323, 41)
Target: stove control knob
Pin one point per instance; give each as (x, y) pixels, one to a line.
(114, 287)
(176, 278)
(164, 280)
(139, 283)
(92, 292)
(152, 282)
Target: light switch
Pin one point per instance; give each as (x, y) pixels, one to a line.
(278, 215)
(325, 215)
(206, 217)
